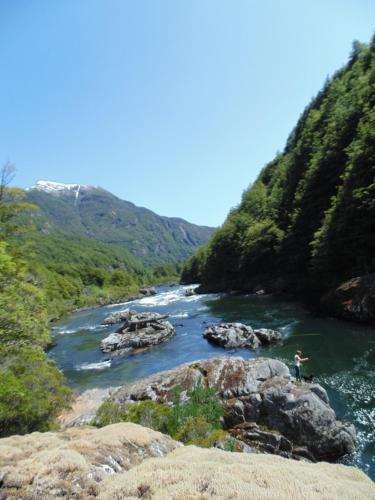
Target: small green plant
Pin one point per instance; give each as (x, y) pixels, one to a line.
(110, 413)
(199, 432)
(230, 444)
(151, 414)
(195, 422)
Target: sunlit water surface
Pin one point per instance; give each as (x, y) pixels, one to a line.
(342, 353)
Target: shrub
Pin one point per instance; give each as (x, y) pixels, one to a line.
(32, 391)
(151, 414)
(110, 413)
(199, 432)
(195, 422)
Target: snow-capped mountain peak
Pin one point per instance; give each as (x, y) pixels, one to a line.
(53, 187)
(60, 188)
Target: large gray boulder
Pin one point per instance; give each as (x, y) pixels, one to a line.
(139, 331)
(285, 418)
(238, 335)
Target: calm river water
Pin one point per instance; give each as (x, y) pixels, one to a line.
(342, 354)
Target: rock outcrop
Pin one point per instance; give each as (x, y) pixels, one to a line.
(139, 331)
(353, 300)
(237, 335)
(129, 461)
(118, 317)
(298, 418)
(84, 407)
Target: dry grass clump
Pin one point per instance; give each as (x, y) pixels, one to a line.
(120, 462)
(196, 473)
(71, 463)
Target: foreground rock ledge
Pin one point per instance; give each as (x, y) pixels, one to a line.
(295, 421)
(128, 461)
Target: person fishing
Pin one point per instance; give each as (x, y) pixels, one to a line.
(298, 359)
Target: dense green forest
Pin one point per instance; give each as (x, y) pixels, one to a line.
(79, 272)
(32, 389)
(308, 221)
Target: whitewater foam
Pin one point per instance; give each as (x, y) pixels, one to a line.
(75, 330)
(101, 365)
(179, 315)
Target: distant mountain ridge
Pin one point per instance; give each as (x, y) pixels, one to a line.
(92, 212)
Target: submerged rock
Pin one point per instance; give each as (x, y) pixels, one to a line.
(140, 330)
(353, 300)
(260, 392)
(237, 335)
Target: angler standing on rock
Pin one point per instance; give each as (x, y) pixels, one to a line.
(298, 359)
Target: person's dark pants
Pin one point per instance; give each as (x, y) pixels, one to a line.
(298, 373)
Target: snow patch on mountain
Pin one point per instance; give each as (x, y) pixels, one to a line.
(60, 187)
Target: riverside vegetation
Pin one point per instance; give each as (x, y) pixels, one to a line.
(32, 389)
(43, 276)
(307, 222)
(198, 421)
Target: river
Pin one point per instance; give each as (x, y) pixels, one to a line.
(342, 354)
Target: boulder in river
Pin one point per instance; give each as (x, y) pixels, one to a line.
(238, 335)
(189, 292)
(147, 291)
(140, 330)
(287, 419)
(118, 317)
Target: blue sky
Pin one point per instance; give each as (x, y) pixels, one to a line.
(173, 105)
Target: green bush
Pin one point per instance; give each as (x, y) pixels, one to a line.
(151, 414)
(195, 422)
(32, 391)
(197, 431)
(110, 413)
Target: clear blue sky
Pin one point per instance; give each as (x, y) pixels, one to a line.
(173, 105)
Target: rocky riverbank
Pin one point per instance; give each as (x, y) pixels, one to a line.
(263, 405)
(353, 300)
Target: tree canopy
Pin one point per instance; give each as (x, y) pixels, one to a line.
(309, 219)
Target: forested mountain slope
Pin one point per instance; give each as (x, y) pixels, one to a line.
(91, 212)
(308, 222)
(87, 246)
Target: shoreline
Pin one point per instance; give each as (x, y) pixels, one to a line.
(123, 300)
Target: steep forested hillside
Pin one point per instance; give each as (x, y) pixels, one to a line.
(92, 212)
(309, 219)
